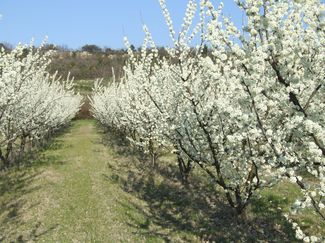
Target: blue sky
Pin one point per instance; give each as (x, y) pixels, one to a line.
(101, 22)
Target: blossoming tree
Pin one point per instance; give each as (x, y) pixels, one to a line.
(278, 62)
(249, 113)
(33, 103)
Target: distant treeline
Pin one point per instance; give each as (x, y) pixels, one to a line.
(88, 62)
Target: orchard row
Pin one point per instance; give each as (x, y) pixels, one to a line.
(246, 105)
(33, 103)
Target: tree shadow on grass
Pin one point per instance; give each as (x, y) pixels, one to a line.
(49, 154)
(197, 211)
(119, 143)
(15, 186)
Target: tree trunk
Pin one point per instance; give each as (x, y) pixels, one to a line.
(7, 155)
(21, 149)
(184, 169)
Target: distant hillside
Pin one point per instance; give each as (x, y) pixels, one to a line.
(90, 62)
(86, 65)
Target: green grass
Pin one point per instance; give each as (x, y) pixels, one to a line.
(82, 188)
(85, 86)
(66, 197)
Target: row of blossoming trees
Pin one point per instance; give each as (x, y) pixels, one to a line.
(249, 113)
(33, 103)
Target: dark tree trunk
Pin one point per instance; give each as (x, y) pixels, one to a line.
(184, 169)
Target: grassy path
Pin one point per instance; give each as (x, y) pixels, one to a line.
(68, 196)
(80, 190)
